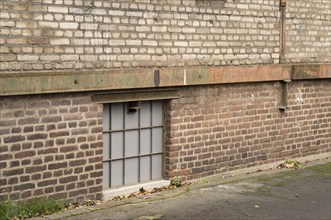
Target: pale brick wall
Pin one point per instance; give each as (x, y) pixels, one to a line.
(221, 128)
(308, 31)
(50, 145)
(55, 35)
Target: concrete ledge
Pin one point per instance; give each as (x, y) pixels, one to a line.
(127, 190)
(269, 166)
(40, 82)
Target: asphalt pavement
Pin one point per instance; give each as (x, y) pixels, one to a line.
(275, 194)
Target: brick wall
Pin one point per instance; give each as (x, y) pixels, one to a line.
(77, 34)
(308, 29)
(221, 128)
(50, 145)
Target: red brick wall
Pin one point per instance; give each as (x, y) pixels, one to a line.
(50, 145)
(221, 128)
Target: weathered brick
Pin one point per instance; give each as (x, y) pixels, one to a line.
(37, 136)
(5, 156)
(57, 165)
(49, 119)
(35, 169)
(69, 148)
(77, 192)
(25, 154)
(68, 179)
(77, 163)
(26, 121)
(58, 9)
(3, 165)
(16, 130)
(58, 134)
(47, 183)
(13, 139)
(13, 172)
(96, 174)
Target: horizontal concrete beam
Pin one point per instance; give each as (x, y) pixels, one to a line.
(128, 96)
(116, 79)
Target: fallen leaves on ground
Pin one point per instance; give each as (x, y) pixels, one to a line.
(142, 192)
(290, 164)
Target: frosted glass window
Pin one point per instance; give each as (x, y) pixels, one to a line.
(157, 166)
(132, 144)
(106, 144)
(157, 140)
(116, 145)
(116, 173)
(145, 141)
(131, 119)
(105, 177)
(131, 171)
(116, 116)
(145, 167)
(106, 118)
(145, 114)
(157, 112)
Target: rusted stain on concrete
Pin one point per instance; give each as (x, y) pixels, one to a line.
(157, 77)
(310, 71)
(100, 80)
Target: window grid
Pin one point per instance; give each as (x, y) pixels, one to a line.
(109, 162)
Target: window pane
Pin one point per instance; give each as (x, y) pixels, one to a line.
(157, 113)
(106, 117)
(145, 168)
(131, 119)
(106, 145)
(131, 171)
(116, 173)
(157, 166)
(131, 143)
(105, 177)
(116, 116)
(156, 140)
(145, 114)
(145, 141)
(116, 145)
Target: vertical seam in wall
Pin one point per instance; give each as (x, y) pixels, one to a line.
(282, 8)
(184, 77)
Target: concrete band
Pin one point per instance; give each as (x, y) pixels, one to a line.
(117, 79)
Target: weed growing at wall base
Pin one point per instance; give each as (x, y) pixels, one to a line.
(30, 208)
